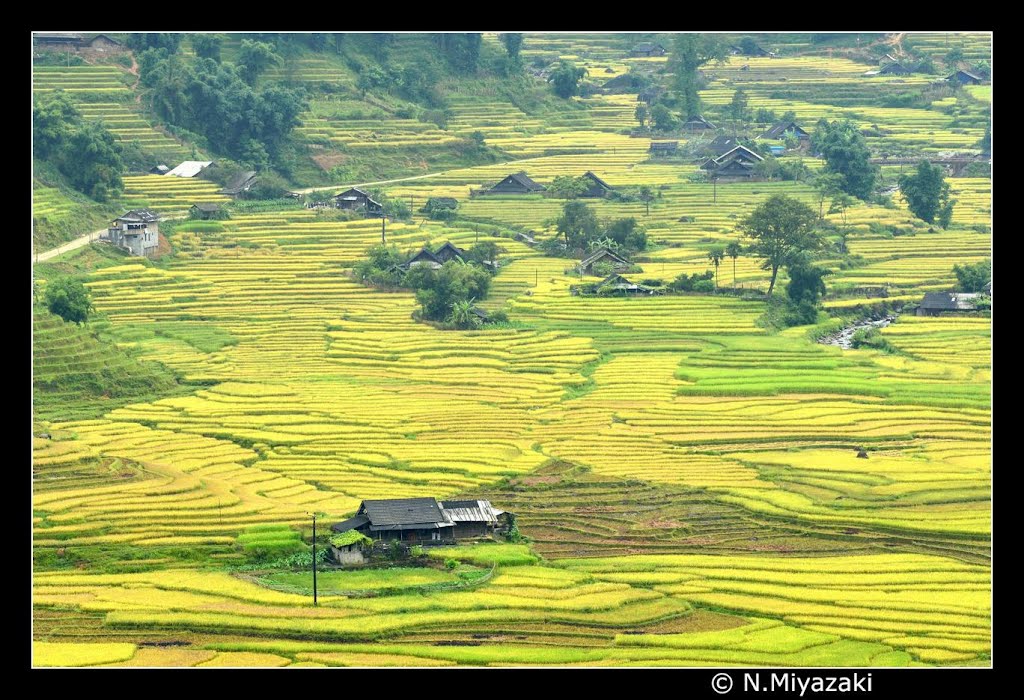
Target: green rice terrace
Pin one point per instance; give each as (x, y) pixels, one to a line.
(606, 425)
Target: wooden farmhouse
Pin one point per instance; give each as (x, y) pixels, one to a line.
(449, 251)
(664, 148)
(159, 170)
(784, 129)
(423, 520)
(626, 83)
(964, 77)
(719, 146)
(206, 210)
(894, 68)
(517, 183)
(596, 187)
(736, 164)
(242, 182)
(435, 258)
(356, 200)
(757, 50)
(62, 41)
(938, 303)
(423, 257)
(136, 232)
(698, 123)
(602, 255)
(647, 49)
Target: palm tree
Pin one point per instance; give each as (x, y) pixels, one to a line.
(733, 250)
(715, 255)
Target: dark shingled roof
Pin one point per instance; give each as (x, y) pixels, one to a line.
(596, 179)
(404, 513)
(207, 206)
(602, 253)
(240, 182)
(523, 179)
(780, 129)
(448, 245)
(350, 524)
(698, 120)
(948, 301)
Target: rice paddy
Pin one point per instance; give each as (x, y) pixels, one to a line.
(689, 481)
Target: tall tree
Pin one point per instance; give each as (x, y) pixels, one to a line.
(565, 79)
(578, 224)
(781, 227)
(53, 119)
(689, 53)
(69, 298)
(513, 45)
(641, 113)
(846, 153)
(926, 192)
(739, 108)
(254, 58)
(207, 45)
(733, 250)
(716, 255)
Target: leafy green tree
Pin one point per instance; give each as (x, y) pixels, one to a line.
(748, 46)
(254, 58)
(437, 291)
(926, 192)
(641, 114)
(565, 79)
(954, 56)
(827, 185)
(141, 42)
(985, 143)
(662, 118)
(483, 252)
(91, 161)
(739, 108)
(689, 53)
(53, 120)
(578, 224)
(513, 45)
(806, 281)
(627, 234)
(69, 298)
(716, 255)
(846, 154)
(567, 187)
(208, 45)
(646, 195)
(781, 227)
(973, 277)
(733, 250)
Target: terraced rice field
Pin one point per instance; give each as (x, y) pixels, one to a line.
(163, 193)
(103, 93)
(689, 482)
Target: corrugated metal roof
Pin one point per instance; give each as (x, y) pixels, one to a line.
(190, 168)
(470, 511)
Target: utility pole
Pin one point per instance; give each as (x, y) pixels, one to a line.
(383, 233)
(536, 277)
(714, 184)
(315, 604)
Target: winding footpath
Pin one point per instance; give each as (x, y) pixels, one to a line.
(71, 245)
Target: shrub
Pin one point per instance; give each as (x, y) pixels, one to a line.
(69, 299)
(451, 563)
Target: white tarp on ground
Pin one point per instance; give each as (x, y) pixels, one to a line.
(191, 168)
